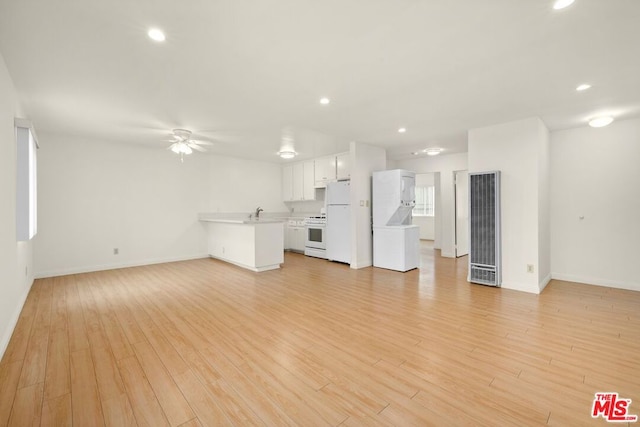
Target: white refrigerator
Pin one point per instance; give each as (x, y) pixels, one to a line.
(396, 242)
(338, 240)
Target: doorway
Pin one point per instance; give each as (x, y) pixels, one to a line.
(461, 189)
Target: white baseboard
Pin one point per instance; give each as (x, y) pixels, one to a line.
(361, 264)
(597, 281)
(13, 321)
(520, 287)
(545, 282)
(89, 269)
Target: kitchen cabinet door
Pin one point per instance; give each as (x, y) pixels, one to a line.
(325, 170)
(343, 168)
(298, 181)
(287, 183)
(287, 237)
(298, 238)
(308, 180)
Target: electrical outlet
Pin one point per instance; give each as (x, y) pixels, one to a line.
(26, 270)
(361, 202)
(116, 251)
(529, 268)
(367, 203)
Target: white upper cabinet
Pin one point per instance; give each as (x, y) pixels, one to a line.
(309, 191)
(287, 183)
(298, 182)
(325, 171)
(343, 168)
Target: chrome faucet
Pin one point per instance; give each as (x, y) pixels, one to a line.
(258, 210)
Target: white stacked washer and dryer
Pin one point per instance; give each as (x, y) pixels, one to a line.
(396, 242)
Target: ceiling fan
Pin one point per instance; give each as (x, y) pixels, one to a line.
(183, 144)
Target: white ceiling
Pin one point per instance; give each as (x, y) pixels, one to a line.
(239, 72)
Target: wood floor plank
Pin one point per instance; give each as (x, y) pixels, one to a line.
(36, 354)
(76, 328)
(9, 377)
(20, 338)
(118, 412)
(57, 411)
(57, 374)
(267, 409)
(85, 401)
(169, 395)
(202, 402)
(27, 406)
(146, 407)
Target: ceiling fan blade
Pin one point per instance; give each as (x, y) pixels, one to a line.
(196, 147)
(201, 142)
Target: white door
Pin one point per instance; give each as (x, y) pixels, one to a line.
(462, 212)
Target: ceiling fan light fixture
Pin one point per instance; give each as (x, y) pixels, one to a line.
(432, 151)
(600, 122)
(561, 4)
(156, 34)
(287, 154)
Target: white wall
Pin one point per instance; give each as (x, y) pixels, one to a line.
(16, 266)
(544, 207)
(518, 150)
(96, 196)
(426, 223)
(595, 174)
(365, 159)
(443, 166)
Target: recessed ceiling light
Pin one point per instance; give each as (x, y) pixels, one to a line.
(583, 86)
(402, 130)
(561, 4)
(415, 153)
(325, 101)
(599, 122)
(156, 34)
(287, 154)
(432, 151)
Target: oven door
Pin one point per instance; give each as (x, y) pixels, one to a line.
(315, 237)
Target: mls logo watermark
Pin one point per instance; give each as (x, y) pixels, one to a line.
(612, 408)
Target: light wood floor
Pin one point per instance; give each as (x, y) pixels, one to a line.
(315, 343)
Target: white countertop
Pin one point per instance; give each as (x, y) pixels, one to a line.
(246, 221)
(243, 221)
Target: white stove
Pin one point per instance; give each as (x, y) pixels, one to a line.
(314, 244)
(316, 220)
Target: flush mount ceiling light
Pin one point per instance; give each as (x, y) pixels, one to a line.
(286, 154)
(325, 101)
(600, 122)
(402, 130)
(583, 86)
(561, 4)
(156, 35)
(432, 151)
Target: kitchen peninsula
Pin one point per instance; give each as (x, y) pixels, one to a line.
(254, 244)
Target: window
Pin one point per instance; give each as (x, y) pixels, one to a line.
(425, 201)
(26, 190)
